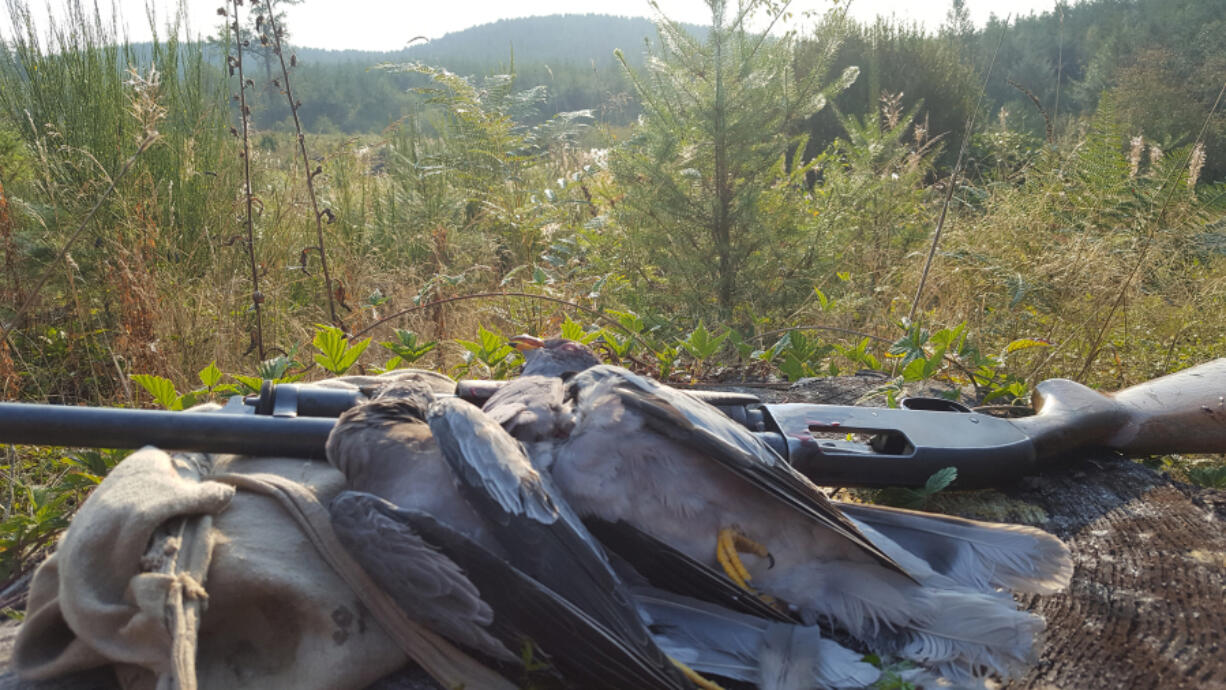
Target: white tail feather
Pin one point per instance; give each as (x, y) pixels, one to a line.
(942, 624)
(976, 554)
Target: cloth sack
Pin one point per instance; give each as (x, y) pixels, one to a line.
(191, 570)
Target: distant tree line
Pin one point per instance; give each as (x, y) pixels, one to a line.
(1161, 62)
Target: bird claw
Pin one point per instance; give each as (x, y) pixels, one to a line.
(729, 545)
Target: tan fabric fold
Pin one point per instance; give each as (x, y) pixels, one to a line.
(91, 603)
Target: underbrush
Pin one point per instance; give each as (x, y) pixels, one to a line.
(1092, 257)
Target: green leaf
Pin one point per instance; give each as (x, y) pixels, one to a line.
(940, 480)
(275, 369)
(744, 349)
(190, 398)
(701, 344)
(1013, 391)
(210, 375)
(226, 389)
(330, 342)
(915, 371)
(572, 330)
(162, 389)
(822, 299)
(628, 320)
(950, 338)
(860, 355)
(911, 345)
(335, 353)
(619, 347)
(251, 384)
(792, 367)
(473, 348)
(666, 357)
(406, 348)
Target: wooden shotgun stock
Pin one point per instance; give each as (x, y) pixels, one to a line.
(1184, 412)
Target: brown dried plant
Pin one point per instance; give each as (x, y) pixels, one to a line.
(287, 88)
(235, 67)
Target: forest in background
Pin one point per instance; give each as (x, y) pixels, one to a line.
(178, 221)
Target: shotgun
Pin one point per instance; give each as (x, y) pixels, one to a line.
(834, 445)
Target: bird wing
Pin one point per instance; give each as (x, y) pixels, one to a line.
(689, 421)
(669, 569)
(426, 584)
(582, 650)
(529, 408)
(541, 534)
(363, 434)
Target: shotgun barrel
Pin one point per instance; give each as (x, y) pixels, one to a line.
(213, 432)
(840, 445)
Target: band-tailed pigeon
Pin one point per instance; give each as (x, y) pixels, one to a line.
(628, 451)
(492, 562)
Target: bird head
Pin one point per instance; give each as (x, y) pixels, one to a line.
(554, 357)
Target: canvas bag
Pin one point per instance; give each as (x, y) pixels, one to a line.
(191, 570)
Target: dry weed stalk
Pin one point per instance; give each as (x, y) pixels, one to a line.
(147, 111)
(891, 109)
(1196, 161)
(1135, 149)
(235, 65)
(135, 284)
(12, 290)
(318, 215)
(953, 180)
(1155, 155)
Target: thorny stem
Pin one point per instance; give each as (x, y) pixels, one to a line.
(306, 164)
(257, 297)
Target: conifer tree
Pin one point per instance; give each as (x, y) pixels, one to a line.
(720, 129)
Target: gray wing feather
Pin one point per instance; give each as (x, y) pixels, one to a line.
(977, 554)
(482, 448)
(530, 408)
(427, 585)
(771, 654)
(674, 414)
(542, 536)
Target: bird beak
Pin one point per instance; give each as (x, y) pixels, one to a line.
(526, 342)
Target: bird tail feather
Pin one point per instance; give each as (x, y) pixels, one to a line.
(977, 554)
(779, 656)
(954, 629)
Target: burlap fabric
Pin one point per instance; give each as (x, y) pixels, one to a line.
(190, 570)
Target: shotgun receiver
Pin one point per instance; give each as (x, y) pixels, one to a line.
(834, 445)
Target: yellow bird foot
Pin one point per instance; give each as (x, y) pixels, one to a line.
(695, 678)
(728, 547)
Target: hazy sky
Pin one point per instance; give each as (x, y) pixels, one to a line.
(389, 24)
